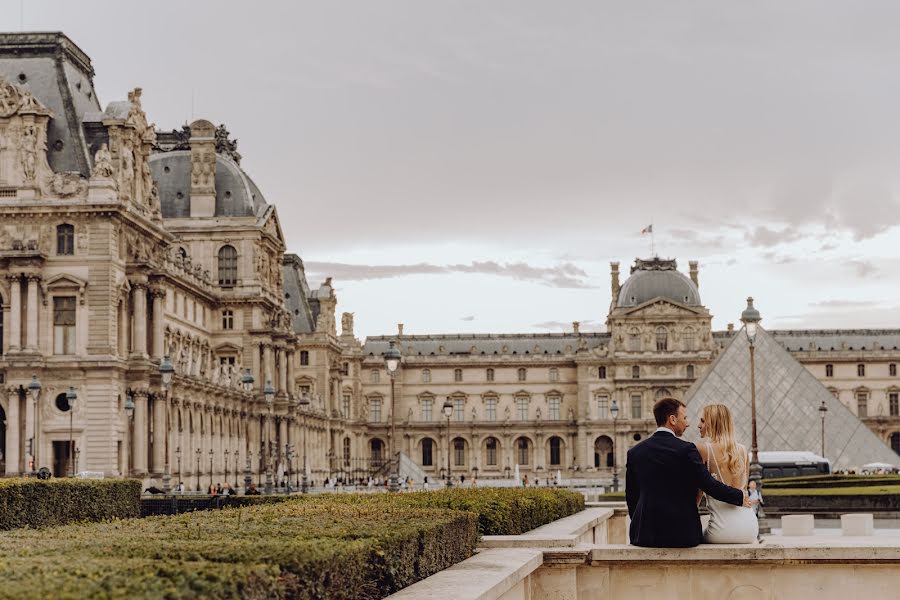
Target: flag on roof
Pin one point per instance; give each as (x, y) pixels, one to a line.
(647, 229)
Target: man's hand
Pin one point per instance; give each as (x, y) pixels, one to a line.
(747, 503)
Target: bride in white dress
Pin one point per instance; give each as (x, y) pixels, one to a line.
(728, 462)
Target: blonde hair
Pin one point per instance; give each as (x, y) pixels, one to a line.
(720, 429)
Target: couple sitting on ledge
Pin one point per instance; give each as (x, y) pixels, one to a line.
(666, 476)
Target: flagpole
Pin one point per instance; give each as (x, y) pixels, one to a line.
(652, 241)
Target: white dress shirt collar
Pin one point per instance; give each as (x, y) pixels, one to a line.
(666, 429)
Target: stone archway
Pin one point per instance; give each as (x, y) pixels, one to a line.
(603, 452)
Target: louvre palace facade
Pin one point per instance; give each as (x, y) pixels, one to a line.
(122, 244)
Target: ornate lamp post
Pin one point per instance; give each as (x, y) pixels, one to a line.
(392, 364)
(614, 411)
(269, 394)
(226, 464)
(448, 410)
(166, 371)
(71, 398)
(34, 390)
(129, 415)
(178, 458)
(288, 460)
(751, 318)
(198, 452)
(247, 385)
(210, 467)
(822, 410)
(303, 401)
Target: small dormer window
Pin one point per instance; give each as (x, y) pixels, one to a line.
(65, 239)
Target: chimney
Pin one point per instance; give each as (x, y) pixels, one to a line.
(731, 328)
(694, 272)
(400, 329)
(203, 169)
(614, 273)
(576, 326)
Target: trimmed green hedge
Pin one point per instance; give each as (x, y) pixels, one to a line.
(834, 481)
(295, 549)
(37, 503)
(868, 490)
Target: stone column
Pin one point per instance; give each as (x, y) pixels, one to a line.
(267, 366)
(139, 345)
(278, 380)
(31, 320)
(29, 433)
(159, 297)
(157, 463)
(139, 441)
(282, 439)
(12, 432)
(290, 373)
(123, 327)
(15, 314)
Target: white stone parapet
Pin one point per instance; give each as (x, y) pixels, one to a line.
(858, 524)
(797, 525)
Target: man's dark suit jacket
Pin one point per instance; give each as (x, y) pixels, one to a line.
(662, 477)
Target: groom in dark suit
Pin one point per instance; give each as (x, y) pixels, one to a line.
(662, 476)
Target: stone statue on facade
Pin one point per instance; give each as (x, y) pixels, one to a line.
(9, 99)
(127, 170)
(29, 148)
(102, 162)
(347, 323)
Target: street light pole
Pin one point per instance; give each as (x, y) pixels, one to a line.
(751, 318)
(210, 467)
(34, 388)
(822, 410)
(167, 371)
(392, 363)
(247, 385)
(129, 416)
(269, 395)
(304, 405)
(226, 464)
(198, 452)
(71, 398)
(614, 410)
(448, 410)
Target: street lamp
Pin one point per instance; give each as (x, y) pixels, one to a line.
(247, 384)
(180, 472)
(751, 318)
(34, 389)
(226, 464)
(198, 452)
(71, 398)
(129, 415)
(303, 401)
(166, 371)
(269, 395)
(448, 410)
(288, 458)
(210, 467)
(822, 410)
(614, 411)
(392, 364)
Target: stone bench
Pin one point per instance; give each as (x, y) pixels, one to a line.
(586, 527)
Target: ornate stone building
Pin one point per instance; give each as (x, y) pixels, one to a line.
(120, 245)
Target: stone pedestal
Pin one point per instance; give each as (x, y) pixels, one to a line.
(858, 524)
(797, 525)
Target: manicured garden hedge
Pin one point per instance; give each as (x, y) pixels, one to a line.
(37, 503)
(295, 549)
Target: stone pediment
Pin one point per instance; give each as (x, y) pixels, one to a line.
(63, 282)
(663, 307)
(226, 347)
(272, 225)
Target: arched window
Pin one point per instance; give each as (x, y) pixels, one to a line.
(689, 338)
(491, 446)
(522, 454)
(227, 265)
(895, 442)
(601, 372)
(662, 339)
(690, 371)
(603, 452)
(427, 450)
(459, 452)
(662, 393)
(457, 375)
(426, 375)
(65, 239)
(522, 374)
(635, 372)
(490, 374)
(555, 451)
(892, 369)
(634, 340)
(829, 370)
(377, 448)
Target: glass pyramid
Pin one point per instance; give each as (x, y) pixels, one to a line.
(787, 405)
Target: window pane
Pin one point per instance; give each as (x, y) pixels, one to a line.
(602, 407)
(458, 407)
(426, 409)
(490, 412)
(636, 406)
(554, 409)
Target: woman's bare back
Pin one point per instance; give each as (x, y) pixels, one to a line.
(713, 456)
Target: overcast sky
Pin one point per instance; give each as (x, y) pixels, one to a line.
(475, 166)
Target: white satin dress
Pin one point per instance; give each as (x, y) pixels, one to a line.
(728, 524)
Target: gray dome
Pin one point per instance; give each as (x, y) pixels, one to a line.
(236, 194)
(649, 283)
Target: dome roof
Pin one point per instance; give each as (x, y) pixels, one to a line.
(236, 194)
(657, 278)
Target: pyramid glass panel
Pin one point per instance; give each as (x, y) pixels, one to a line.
(787, 405)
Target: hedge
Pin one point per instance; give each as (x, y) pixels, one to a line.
(40, 503)
(295, 549)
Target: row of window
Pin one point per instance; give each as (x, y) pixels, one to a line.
(861, 370)
(862, 403)
(492, 446)
(661, 338)
(522, 374)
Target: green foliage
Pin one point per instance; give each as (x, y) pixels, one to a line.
(833, 481)
(868, 490)
(37, 503)
(612, 497)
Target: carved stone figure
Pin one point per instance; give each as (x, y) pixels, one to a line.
(127, 170)
(29, 148)
(9, 99)
(146, 180)
(66, 185)
(347, 323)
(537, 414)
(103, 166)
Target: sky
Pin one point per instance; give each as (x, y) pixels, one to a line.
(475, 166)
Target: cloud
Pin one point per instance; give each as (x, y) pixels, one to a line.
(696, 239)
(764, 237)
(588, 325)
(565, 275)
(863, 268)
(833, 304)
(469, 318)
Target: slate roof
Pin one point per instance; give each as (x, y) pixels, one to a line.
(296, 294)
(646, 284)
(60, 75)
(462, 344)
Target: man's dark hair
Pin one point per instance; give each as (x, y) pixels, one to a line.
(665, 407)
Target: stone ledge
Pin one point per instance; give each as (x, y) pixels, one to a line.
(561, 533)
(798, 550)
(486, 576)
